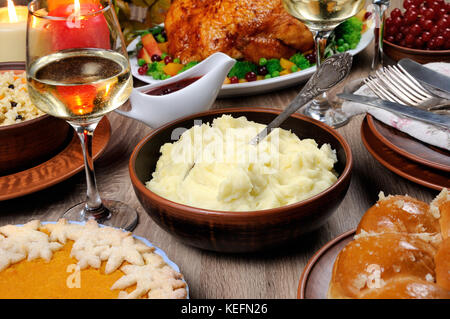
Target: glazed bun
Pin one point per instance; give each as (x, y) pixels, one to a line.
(402, 214)
(401, 250)
(407, 288)
(440, 208)
(442, 261)
(370, 262)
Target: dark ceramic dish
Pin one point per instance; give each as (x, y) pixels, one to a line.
(396, 53)
(227, 231)
(316, 276)
(31, 142)
(411, 170)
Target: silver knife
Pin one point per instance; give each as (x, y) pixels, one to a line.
(412, 112)
(426, 76)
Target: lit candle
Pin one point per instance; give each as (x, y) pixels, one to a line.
(84, 29)
(13, 26)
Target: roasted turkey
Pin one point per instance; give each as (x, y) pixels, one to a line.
(249, 29)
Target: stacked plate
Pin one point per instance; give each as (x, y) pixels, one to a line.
(404, 155)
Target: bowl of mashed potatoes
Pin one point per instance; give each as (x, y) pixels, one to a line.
(201, 180)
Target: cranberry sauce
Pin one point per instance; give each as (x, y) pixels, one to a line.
(173, 87)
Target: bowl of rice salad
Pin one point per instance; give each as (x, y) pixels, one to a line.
(27, 135)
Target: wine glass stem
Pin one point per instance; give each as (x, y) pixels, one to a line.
(320, 40)
(85, 132)
(379, 10)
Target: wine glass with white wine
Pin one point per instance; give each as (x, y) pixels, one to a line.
(78, 70)
(321, 17)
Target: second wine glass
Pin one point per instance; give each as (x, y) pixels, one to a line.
(78, 70)
(321, 17)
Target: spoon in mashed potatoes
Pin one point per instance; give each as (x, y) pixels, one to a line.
(332, 71)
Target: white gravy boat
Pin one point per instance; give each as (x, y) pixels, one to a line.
(154, 110)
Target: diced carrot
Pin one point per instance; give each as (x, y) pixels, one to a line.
(150, 44)
(360, 15)
(242, 80)
(143, 54)
(284, 72)
(227, 80)
(163, 46)
(259, 77)
(172, 68)
(286, 64)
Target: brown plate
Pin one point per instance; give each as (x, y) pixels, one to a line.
(316, 276)
(403, 166)
(63, 165)
(19, 147)
(410, 147)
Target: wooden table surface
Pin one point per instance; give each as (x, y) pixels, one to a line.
(208, 274)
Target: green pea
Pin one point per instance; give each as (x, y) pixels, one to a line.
(157, 75)
(163, 55)
(267, 76)
(160, 38)
(262, 61)
(275, 74)
(294, 68)
(176, 60)
(340, 41)
(141, 62)
(346, 46)
(340, 49)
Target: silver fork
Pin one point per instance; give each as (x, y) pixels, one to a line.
(395, 84)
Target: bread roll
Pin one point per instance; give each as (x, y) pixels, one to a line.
(407, 288)
(402, 214)
(371, 261)
(440, 208)
(401, 250)
(442, 261)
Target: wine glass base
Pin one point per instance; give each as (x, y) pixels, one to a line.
(325, 114)
(114, 214)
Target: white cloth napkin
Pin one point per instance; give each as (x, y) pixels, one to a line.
(424, 132)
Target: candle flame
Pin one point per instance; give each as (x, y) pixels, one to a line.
(76, 7)
(12, 12)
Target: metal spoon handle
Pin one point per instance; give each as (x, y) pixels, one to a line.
(332, 71)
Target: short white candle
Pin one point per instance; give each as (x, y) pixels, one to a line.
(13, 34)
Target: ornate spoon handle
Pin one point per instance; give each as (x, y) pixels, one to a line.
(332, 71)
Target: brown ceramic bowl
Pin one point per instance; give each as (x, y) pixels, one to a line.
(31, 142)
(227, 231)
(396, 53)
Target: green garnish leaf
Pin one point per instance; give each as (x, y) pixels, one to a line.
(241, 68)
(300, 61)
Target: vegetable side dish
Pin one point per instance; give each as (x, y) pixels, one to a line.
(154, 60)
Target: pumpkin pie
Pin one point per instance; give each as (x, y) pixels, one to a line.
(66, 260)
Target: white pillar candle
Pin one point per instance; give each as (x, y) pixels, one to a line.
(13, 27)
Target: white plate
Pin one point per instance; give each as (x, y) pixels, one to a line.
(262, 86)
